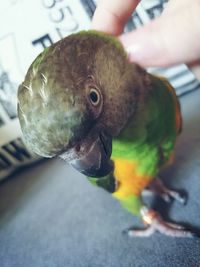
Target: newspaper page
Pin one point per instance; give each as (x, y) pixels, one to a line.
(27, 27)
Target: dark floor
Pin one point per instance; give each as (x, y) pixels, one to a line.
(50, 216)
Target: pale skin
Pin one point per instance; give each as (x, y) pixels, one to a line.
(170, 39)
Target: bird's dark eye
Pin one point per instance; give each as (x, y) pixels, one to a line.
(94, 97)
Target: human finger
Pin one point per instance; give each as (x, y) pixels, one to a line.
(111, 16)
(167, 40)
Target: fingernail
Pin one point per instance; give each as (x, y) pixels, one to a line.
(139, 50)
(135, 52)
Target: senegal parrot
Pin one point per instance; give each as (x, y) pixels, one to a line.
(82, 100)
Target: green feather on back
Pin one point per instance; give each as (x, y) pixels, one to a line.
(149, 137)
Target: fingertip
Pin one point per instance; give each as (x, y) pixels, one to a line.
(106, 22)
(111, 16)
(146, 46)
(164, 41)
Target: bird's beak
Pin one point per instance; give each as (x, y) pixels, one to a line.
(96, 161)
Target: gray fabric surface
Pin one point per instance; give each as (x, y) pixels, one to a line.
(51, 216)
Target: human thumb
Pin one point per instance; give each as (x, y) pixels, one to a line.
(167, 40)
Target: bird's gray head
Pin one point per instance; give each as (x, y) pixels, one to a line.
(76, 96)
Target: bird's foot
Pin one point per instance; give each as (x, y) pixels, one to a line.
(165, 193)
(157, 224)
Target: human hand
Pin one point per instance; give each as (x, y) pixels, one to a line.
(170, 39)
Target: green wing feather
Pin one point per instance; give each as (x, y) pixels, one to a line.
(149, 137)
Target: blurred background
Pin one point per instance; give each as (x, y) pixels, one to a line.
(50, 215)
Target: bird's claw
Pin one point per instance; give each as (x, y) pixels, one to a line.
(157, 224)
(177, 196)
(165, 193)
